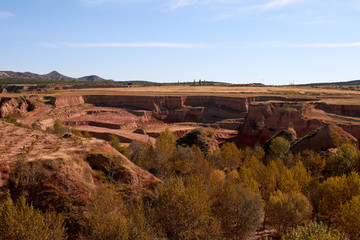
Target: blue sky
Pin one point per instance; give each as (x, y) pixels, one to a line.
(238, 41)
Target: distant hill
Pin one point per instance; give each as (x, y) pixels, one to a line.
(54, 75)
(345, 83)
(92, 78)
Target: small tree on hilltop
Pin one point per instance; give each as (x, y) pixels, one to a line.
(279, 147)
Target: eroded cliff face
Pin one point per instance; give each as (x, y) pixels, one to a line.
(15, 106)
(353, 129)
(167, 108)
(265, 116)
(339, 109)
(267, 120)
(136, 102)
(66, 101)
(324, 138)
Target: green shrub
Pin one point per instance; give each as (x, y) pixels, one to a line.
(76, 133)
(10, 118)
(86, 134)
(58, 127)
(103, 226)
(23, 222)
(114, 142)
(105, 216)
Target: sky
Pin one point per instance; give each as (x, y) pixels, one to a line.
(273, 42)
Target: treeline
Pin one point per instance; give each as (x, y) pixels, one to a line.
(246, 189)
(207, 193)
(23, 80)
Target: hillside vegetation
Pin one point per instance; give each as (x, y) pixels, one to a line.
(228, 193)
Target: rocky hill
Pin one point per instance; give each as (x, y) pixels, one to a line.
(63, 166)
(54, 75)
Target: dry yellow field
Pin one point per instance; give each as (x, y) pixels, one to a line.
(209, 90)
(328, 95)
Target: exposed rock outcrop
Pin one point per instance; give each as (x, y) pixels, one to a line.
(198, 137)
(136, 102)
(53, 173)
(15, 106)
(122, 169)
(347, 110)
(66, 101)
(8, 106)
(258, 118)
(267, 120)
(167, 108)
(288, 134)
(324, 138)
(140, 131)
(354, 130)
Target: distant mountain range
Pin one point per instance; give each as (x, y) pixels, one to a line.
(54, 75)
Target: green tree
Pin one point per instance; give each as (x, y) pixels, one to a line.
(166, 141)
(314, 231)
(279, 148)
(344, 161)
(114, 142)
(58, 127)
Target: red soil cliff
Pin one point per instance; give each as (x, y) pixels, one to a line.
(267, 120)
